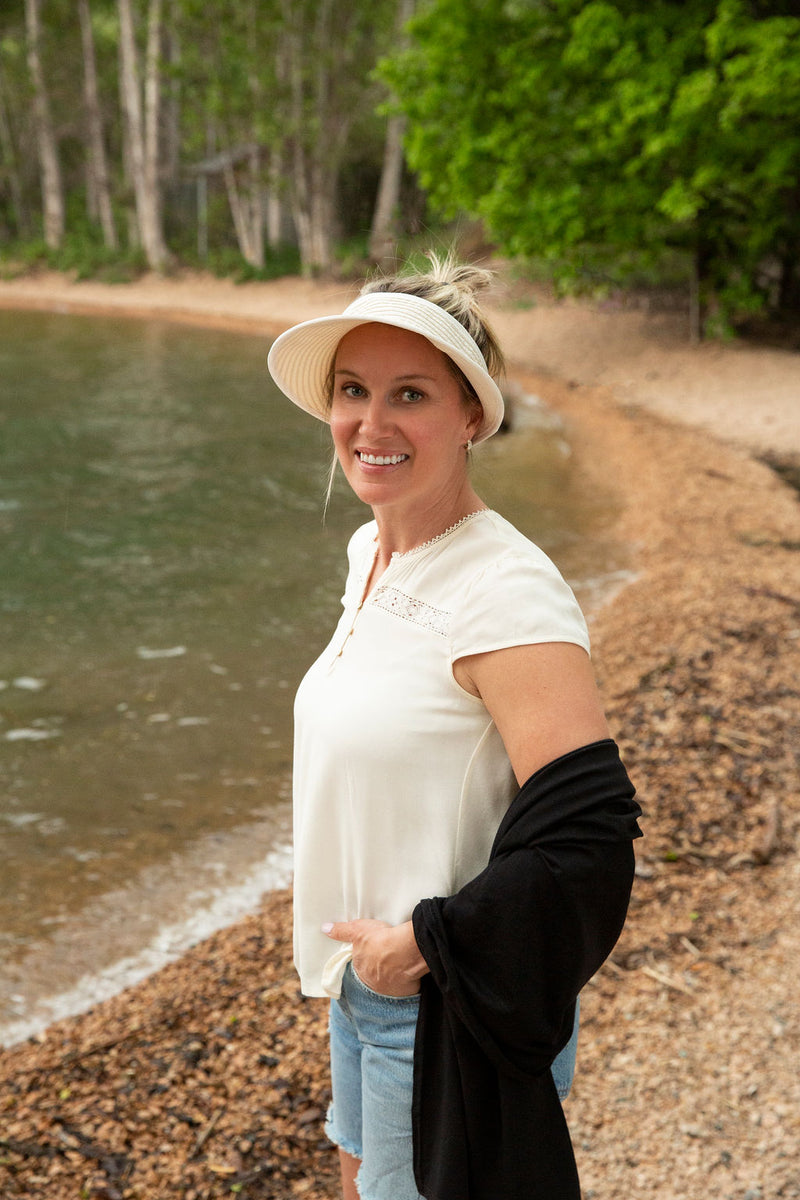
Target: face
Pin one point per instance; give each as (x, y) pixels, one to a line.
(399, 419)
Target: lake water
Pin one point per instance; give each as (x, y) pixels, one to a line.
(165, 579)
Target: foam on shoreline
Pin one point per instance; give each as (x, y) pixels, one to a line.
(201, 911)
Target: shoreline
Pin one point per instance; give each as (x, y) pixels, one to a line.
(177, 917)
(645, 358)
(696, 660)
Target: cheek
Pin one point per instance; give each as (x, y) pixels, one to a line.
(341, 429)
(335, 418)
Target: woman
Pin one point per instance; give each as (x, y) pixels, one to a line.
(463, 825)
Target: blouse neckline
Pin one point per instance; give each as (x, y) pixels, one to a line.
(400, 554)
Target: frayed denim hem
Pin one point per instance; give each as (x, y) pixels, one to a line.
(341, 1143)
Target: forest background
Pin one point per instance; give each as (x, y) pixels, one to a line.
(598, 144)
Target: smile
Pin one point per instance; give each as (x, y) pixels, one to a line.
(381, 460)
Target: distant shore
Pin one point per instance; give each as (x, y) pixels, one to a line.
(210, 1075)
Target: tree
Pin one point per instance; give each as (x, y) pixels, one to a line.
(570, 125)
(327, 51)
(270, 104)
(247, 204)
(141, 106)
(284, 84)
(383, 233)
(317, 130)
(46, 143)
(98, 185)
(231, 64)
(9, 158)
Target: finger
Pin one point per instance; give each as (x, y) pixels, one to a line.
(338, 931)
(350, 931)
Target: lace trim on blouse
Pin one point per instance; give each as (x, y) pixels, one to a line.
(440, 536)
(436, 620)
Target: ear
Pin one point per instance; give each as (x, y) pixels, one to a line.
(474, 418)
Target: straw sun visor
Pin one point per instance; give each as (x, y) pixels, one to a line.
(301, 358)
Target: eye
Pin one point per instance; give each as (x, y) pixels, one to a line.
(411, 395)
(353, 390)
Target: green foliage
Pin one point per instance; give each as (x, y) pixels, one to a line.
(228, 65)
(88, 258)
(82, 255)
(352, 257)
(228, 263)
(568, 126)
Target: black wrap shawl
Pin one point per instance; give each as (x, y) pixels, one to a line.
(508, 955)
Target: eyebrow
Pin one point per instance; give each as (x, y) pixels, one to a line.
(398, 378)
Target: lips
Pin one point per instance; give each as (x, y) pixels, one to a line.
(380, 460)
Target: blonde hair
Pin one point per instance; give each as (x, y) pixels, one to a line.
(454, 287)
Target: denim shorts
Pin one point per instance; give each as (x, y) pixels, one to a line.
(372, 1073)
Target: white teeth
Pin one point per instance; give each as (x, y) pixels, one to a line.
(382, 460)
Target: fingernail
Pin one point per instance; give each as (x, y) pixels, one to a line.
(327, 927)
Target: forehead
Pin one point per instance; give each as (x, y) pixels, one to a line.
(389, 345)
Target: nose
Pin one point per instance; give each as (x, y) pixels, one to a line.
(376, 418)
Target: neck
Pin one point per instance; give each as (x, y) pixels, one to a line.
(400, 532)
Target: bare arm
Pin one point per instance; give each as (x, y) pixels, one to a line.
(542, 698)
(544, 702)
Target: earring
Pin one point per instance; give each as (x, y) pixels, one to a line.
(468, 446)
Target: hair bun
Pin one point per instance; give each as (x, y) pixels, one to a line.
(464, 277)
(454, 286)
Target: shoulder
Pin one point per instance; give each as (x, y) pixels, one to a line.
(361, 543)
(512, 593)
(491, 535)
(495, 553)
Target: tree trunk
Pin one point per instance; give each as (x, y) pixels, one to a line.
(383, 234)
(312, 156)
(49, 167)
(128, 196)
(255, 206)
(273, 217)
(695, 316)
(238, 211)
(202, 218)
(247, 209)
(8, 155)
(703, 303)
(98, 177)
(789, 290)
(256, 209)
(155, 246)
(172, 115)
(132, 108)
(323, 184)
(313, 214)
(290, 65)
(142, 131)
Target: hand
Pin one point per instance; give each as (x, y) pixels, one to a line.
(385, 957)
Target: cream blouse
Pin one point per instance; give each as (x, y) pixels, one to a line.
(400, 776)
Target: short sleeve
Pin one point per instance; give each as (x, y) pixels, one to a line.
(359, 545)
(518, 600)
